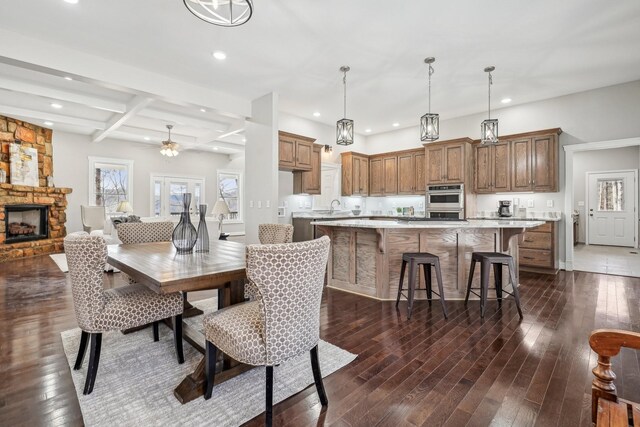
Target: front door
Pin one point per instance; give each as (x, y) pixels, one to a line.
(612, 215)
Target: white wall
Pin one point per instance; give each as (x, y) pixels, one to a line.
(594, 161)
(71, 169)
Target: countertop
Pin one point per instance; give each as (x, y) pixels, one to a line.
(316, 215)
(472, 223)
(529, 218)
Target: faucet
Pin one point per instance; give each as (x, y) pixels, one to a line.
(331, 206)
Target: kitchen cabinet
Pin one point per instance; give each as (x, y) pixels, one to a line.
(492, 168)
(538, 250)
(535, 162)
(411, 168)
(309, 182)
(390, 166)
(295, 152)
(448, 162)
(383, 175)
(376, 176)
(355, 174)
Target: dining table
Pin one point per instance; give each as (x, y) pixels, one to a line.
(158, 266)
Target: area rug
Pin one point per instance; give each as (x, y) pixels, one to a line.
(136, 378)
(61, 262)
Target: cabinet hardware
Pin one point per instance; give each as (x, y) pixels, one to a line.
(527, 257)
(528, 240)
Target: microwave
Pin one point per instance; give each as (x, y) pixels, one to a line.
(448, 197)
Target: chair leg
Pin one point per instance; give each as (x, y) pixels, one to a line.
(269, 403)
(412, 287)
(402, 268)
(427, 281)
(485, 270)
(94, 360)
(211, 355)
(441, 288)
(177, 337)
(497, 274)
(81, 350)
(514, 285)
(156, 332)
(317, 376)
(472, 270)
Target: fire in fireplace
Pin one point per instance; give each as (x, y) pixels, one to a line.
(25, 223)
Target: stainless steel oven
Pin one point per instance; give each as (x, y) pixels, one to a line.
(445, 196)
(445, 214)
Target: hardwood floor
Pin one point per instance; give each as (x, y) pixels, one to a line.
(427, 371)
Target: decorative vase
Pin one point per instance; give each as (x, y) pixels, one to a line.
(184, 235)
(202, 244)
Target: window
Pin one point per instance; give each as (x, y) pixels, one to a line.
(230, 190)
(167, 191)
(611, 195)
(110, 182)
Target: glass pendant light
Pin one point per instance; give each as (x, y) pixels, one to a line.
(430, 122)
(344, 127)
(225, 13)
(489, 127)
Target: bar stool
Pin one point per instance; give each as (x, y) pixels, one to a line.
(426, 260)
(486, 260)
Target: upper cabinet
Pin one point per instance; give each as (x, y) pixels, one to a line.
(522, 162)
(411, 168)
(295, 152)
(355, 174)
(309, 182)
(448, 162)
(383, 175)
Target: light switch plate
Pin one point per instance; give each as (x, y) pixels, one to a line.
(516, 201)
(530, 203)
(581, 203)
(250, 203)
(259, 204)
(268, 203)
(549, 203)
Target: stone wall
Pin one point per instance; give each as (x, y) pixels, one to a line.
(30, 135)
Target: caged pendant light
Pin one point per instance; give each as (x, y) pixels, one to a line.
(489, 127)
(344, 127)
(430, 122)
(225, 13)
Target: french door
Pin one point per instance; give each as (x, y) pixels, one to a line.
(167, 191)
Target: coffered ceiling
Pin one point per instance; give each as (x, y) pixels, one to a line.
(540, 49)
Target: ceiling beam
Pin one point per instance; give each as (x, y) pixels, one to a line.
(48, 116)
(183, 119)
(156, 135)
(236, 127)
(133, 107)
(15, 85)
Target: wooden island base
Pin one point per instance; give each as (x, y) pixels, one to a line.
(367, 261)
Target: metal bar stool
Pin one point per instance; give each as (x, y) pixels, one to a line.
(497, 260)
(427, 260)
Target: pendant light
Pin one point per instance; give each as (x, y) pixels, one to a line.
(344, 127)
(489, 127)
(225, 13)
(169, 148)
(430, 122)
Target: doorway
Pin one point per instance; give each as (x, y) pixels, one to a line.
(612, 208)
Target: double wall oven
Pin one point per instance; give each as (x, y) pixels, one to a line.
(445, 201)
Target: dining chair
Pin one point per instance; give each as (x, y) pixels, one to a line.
(93, 217)
(283, 323)
(99, 310)
(131, 233)
(269, 234)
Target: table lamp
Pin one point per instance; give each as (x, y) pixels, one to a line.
(124, 206)
(220, 209)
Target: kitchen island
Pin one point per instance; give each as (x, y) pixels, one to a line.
(366, 255)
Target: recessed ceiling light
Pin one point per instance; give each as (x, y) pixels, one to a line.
(367, 130)
(215, 148)
(203, 110)
(68, 78)
(48, 123)
(506, 100)
(316, 114)
(219, 55)
(71, 1)
(56, 105)
(244, 139)
(146, 138)
(396, 124)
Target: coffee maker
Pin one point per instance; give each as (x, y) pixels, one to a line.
(505, 208)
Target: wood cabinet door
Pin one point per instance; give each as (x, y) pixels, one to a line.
(287, 153)
(521, 165)
(347, 175)
(304, 153)
(406, 173)
(421, 179)
(454, 164)
(390, 175)
(355, 190)
(544, 163)
(435, 165)
(376, 177)
(364, 176)
(501, 167)
(311, 180)
(482, 177)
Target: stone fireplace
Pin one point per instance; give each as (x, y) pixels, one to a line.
(31, 218)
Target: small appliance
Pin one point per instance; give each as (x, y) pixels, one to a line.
(505, 208)
(445, 201)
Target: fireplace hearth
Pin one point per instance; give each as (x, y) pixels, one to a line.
(25, 223)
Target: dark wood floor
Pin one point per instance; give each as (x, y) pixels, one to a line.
(426, 371)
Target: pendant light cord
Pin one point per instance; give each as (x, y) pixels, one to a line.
(431, 71)
(490, 83)
(344, 82)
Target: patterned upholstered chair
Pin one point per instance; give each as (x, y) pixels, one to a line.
(131, 233)
(98, 310)
(269, 234)
(283, 323)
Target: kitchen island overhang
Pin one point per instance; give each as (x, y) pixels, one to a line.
(366, 255)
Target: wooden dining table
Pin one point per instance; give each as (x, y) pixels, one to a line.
(163, 270)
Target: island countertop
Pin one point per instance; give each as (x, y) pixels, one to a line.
(469, 224)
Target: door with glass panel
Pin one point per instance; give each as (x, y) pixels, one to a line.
(167, 191)
(612, 208)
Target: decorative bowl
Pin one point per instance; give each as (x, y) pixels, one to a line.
(356, 211)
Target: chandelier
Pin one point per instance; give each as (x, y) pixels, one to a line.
(344, 127)
(226, 13)
(489, 127)
(430, 123)
(169, 148)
